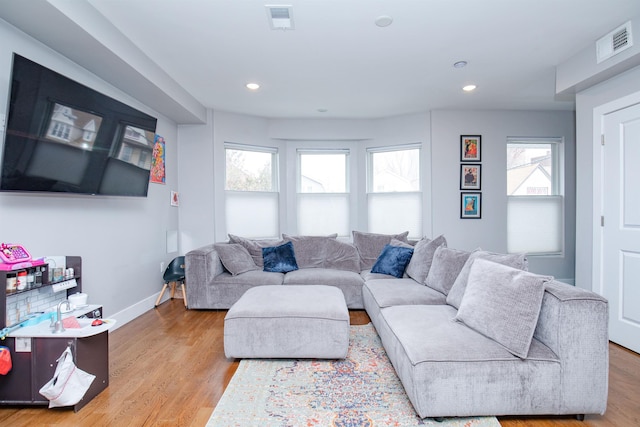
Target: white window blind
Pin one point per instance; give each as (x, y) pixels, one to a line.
(392, 213)
(252, 214)
(534, 224)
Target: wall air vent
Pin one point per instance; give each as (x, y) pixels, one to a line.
(614, 42)
(280, 17)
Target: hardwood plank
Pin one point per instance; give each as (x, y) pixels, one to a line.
(167, 368)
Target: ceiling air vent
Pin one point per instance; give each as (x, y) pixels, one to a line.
(614, 42)
(280, 17)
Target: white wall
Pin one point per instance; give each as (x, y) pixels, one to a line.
(121, 240)
(440, 134)
(588, 139)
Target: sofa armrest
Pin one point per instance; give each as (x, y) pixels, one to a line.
(574, 323)
(202, 265)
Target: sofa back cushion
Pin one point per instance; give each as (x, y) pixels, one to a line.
(254, 247)
(503, 303)
(342, 256)
(370, 245)
(423, 251)
(445, 267)
(311, 251)
(454, 297)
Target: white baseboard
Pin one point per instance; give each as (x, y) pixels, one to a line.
(128, 314)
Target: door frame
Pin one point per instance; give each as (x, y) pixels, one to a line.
(599, 114)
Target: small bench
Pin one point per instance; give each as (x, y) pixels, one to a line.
(291, 322)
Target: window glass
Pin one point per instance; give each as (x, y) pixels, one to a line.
(249, 170)
(323, 172)
(396, 170)
(531, 169)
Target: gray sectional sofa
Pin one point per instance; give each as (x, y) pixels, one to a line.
(468, 333)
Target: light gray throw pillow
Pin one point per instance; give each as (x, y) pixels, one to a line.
(235, 258)
(423, 251)
(503, 303)
(445, 267)
(454, 297)
(370, 245)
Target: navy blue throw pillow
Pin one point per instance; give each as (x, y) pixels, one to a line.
(392, 260)
(279, 259)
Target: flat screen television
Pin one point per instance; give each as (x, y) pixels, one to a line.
(64, 137)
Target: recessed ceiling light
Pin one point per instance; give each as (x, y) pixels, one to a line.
(253, 86)
(384, 21)
(460, 64)
(469, 88)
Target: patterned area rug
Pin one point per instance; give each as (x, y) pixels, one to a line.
(362, 390)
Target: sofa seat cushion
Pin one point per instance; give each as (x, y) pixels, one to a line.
(255, 277)
(448, 369)
(406, 291)
(348, 281)
(368, 275)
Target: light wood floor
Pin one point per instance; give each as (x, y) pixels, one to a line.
(168, 369)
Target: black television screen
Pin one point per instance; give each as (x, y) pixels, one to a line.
(64, 137)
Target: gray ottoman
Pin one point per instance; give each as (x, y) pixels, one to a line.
(290, 322)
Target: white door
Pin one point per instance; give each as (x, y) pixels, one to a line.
(621, 231)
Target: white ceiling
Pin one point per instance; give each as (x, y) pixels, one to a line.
(337, 59)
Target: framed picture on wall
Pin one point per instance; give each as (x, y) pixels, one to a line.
(470, 146)
(470, 176)
(470, 205)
